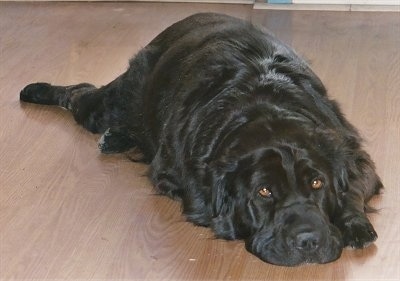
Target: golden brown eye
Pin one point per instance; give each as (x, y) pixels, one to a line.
(317, 183)
(265, 192)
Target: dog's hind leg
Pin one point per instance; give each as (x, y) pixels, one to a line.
(114, 110)
(92, 107)
(83, 100)
(44, 93)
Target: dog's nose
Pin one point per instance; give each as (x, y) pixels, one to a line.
(307, 241)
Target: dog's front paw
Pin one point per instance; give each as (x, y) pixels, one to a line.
(358, 232)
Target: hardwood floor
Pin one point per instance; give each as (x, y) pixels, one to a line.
(68, 212)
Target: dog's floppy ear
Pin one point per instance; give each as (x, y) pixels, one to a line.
(222, 202)
(355, 174)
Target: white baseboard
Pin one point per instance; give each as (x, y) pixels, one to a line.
(349, 2)
(329, 7)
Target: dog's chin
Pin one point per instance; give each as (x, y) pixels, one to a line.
(274, 250)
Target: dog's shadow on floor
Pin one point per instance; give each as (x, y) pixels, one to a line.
(46, 114)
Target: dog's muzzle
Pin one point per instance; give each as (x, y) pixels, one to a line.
(299, 234)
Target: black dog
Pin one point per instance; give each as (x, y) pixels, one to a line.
(235, 124)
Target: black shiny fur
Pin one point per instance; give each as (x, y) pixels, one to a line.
(221, 110)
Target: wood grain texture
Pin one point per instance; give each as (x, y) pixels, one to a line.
(69, 213)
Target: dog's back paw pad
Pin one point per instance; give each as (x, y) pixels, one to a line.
(114, 142)
(41, 93)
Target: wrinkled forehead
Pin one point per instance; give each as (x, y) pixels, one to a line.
(285, 155)
(286, 163)
(271, 162)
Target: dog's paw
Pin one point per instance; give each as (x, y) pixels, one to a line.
(41, 93)
(115, 142)
(358, 232)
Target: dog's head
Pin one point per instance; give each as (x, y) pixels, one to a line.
(279, 192)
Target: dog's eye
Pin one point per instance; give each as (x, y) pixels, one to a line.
(265, 192)
(317, 183)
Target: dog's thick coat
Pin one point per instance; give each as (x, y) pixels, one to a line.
(235, 124)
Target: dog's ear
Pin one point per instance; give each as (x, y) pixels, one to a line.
(355, 175)
(222, 202)
(223, 223)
